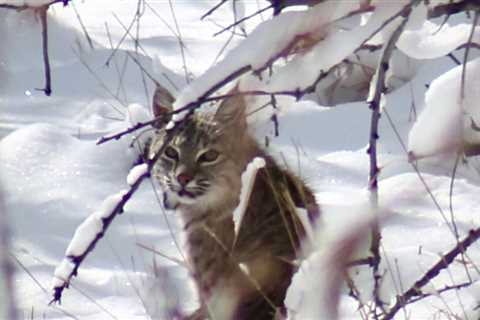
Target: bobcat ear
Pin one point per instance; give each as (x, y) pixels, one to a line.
(162, 104)
(231, 112)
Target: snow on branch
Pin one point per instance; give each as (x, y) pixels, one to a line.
(86, 237)
(270, 41)
(445, 124)
(94, 227)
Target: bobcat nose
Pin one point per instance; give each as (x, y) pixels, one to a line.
(184, 179)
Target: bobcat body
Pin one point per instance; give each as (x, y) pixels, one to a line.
(243, 274)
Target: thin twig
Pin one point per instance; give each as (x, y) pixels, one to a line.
(296, 93)
(82, 25)
(214, 8)
(242, 20)
(180, 42)
(114, 51)
(120, 86)
(467, 51)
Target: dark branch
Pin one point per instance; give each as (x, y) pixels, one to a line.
(374, 104)
(453, 8)
(213, 9)
(46, 59)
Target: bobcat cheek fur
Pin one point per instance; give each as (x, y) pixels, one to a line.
(243, 275)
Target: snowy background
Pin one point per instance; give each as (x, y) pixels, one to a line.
(53, 175)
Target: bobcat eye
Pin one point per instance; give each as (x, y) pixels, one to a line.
(209, 156)
(171, 153)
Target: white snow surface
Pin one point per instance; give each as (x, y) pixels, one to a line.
(54, 176)
(445, 123)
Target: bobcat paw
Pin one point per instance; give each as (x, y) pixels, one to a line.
(169, 201)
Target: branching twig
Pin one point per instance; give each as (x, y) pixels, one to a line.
(443, 263)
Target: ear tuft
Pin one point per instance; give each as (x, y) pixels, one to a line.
(162, 104)
(231, 111)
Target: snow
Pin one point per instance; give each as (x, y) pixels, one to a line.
(255, 52)
(332, 50)
(248, 181)
(433, 41)
(62, 272)
(54, 176)
(444, 124)
(136, 173)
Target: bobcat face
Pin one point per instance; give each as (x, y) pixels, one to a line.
(196, 166)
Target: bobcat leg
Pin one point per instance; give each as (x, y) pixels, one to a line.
(198, 314)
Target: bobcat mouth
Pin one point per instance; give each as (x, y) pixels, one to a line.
(185, 193)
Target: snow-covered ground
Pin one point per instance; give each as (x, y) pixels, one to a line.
(53, 175)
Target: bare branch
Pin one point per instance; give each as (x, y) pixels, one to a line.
(46, 60)
(374, 104)
(443, 263)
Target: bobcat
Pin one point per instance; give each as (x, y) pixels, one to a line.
(243, 275)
